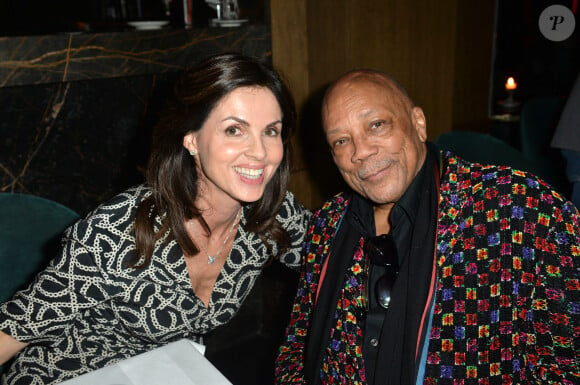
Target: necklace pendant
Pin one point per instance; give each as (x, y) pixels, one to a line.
(210, 258)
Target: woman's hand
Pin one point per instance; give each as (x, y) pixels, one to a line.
(9, 347)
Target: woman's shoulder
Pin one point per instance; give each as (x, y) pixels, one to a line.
(123, 202)
(130, 197)
(116, 214)
(292, 208)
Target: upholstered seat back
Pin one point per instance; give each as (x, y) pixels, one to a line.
(483, 148)
(487, 149)
(539, 118)
(30, 230)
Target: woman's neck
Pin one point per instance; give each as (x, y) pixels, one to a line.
(218, 215)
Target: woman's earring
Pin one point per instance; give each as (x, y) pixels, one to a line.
(192, 153)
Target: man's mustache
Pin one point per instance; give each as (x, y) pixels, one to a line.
(373, 167)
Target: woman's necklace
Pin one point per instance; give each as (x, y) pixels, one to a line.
(211, 258)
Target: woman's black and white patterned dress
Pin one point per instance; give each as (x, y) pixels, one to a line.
(89, 309)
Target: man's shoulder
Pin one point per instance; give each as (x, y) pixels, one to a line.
(465, 177)
(456, 169)
(335, 204)
(328, 216)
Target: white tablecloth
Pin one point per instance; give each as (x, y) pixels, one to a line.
(178, 363)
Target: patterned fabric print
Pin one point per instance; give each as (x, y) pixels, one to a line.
(88, 309)
(289, 364)
(505, 242)
(343, 363)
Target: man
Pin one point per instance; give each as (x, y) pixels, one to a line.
(432, 269)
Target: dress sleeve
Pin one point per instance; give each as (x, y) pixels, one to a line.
(72, 282)
(294, 218)
(555, 312)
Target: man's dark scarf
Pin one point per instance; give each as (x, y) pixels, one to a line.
(398, 343)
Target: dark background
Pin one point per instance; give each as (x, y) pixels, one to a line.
(541, 67)
(35, 17)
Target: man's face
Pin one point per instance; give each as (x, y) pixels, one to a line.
(376, 138)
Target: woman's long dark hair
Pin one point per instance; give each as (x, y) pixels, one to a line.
(171, 172)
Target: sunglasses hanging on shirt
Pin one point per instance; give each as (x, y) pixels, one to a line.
(382, 251)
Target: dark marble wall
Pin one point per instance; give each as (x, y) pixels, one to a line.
(76, 113)
(76, 110)
(41, 17)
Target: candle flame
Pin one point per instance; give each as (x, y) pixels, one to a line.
(511, 84)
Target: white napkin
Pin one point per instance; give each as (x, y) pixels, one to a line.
(177, 363)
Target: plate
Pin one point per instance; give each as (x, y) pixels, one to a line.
(226, 22)
(143, 25)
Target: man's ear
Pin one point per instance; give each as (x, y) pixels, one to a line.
(420, 123)
(190, 143)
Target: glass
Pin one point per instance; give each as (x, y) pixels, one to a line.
(229, 9)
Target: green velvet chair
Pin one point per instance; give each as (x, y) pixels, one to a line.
(487, 149)
(483, 148)
(538, 120)
(30, 230)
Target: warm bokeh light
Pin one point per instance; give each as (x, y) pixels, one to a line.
(511, 84)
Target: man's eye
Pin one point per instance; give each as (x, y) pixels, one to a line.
(233, 130)
(378, 124)
(338, 142)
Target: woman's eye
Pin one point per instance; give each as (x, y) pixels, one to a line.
(272, 131)
(233, 130)
(338, 142)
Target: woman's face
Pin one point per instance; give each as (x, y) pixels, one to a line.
(239, 147)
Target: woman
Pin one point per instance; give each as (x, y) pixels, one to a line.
(175, 257)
